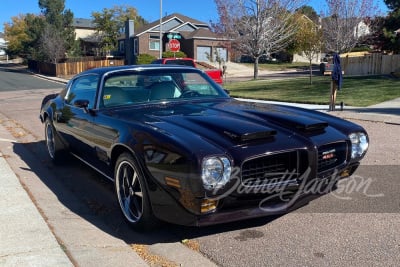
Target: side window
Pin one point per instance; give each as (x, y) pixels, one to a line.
(83, 88)
(196, 83)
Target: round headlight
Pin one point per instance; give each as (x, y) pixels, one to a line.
(216, 172)
(359, 144)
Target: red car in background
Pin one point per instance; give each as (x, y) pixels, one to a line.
(215, 74)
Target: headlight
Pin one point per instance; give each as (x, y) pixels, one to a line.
(359, 144)
(216, 172)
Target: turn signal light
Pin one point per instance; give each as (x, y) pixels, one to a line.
(173, 182)
(208, 205)
(345, 173)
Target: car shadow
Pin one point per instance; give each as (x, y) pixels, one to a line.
(91, 196)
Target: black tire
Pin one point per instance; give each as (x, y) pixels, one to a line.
(55, 149)
(131, 191)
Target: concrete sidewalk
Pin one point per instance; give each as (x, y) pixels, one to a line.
(26, 239)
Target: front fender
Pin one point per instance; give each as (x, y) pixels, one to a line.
(46, 109)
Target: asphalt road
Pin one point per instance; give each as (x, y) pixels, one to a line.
(15, 77)
(356, 226)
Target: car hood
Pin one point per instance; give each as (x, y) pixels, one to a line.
(230, 122)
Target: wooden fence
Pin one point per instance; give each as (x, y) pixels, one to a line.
(371, 64)
(71, 68)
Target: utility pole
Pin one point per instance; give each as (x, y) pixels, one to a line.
(160, 28)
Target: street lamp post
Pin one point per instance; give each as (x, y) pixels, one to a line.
(160, 48)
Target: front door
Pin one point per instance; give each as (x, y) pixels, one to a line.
(74, 122)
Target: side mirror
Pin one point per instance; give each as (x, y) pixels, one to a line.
(227, 91)
(82, 103)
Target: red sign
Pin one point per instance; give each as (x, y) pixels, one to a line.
(174, 45)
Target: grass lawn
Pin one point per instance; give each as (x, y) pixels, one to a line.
(279, 66)
(356, 91)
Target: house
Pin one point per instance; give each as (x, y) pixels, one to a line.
(85, 31)
(196, 39)
(3, 45)
(362, 29)
(83, 28)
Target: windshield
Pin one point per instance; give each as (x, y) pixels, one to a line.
(132, 87)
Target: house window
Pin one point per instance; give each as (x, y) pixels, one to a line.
(121, 46)
(135, 47)
(154, 43)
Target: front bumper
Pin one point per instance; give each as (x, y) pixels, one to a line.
(237, 207)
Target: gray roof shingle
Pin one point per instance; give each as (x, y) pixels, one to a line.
(83, 23)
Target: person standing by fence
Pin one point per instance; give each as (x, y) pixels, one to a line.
(337, 80)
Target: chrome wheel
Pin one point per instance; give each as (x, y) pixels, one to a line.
(129, 190)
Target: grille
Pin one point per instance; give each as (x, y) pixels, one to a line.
(331, 156)
(271, 169)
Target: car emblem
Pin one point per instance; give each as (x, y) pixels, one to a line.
(329, 154)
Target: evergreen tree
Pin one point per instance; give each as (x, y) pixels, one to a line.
(391, 26)
(58, 28)
(111, 21)
(393, 4)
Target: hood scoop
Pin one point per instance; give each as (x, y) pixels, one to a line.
(238, 130)
(294, 121)
(245, 137)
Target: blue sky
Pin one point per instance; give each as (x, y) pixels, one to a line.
(203, 10)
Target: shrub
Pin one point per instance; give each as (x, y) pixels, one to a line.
(363, 48)
(144, 59)
(179, 54)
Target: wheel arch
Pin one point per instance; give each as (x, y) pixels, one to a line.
(44, 116)
(118, 150)
(47, 113)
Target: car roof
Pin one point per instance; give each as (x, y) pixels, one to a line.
(103, 70)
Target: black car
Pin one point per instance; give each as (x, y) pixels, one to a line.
(180, 149)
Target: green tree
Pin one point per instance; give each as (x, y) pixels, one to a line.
(308, 39)
(145, 59)
(58, 28)
(392, 4)
(110, 21)
(168, 54)
(23, 36)
(390, 37)
(310, 12)
(39, 37)
(16, 35)
(35, 27)
(53, 11)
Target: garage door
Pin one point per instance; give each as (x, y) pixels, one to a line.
(203, 53)
(222, 52)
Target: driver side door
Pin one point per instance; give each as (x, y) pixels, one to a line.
(73, 121)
